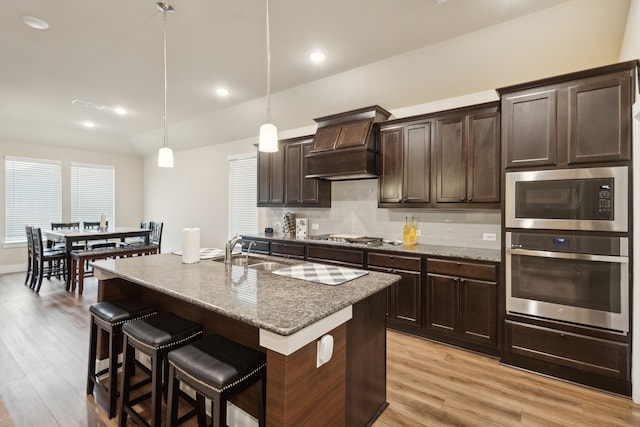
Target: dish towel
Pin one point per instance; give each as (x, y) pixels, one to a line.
(206, 253)
(321, 273)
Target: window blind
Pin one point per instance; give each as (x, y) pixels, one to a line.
(33, 195)
(243, 209)
(92, 193)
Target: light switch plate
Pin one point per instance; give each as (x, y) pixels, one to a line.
(489, 236)
(314, 226)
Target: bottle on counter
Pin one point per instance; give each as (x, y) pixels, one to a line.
(413, 237)
(405, 231)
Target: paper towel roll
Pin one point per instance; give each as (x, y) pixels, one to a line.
(190, 245)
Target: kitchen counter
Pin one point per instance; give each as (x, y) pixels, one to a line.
(475, 254)
(283, 317)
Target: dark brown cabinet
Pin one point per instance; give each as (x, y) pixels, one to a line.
(288, 250)
(574, 119)
(281, 177)
(271, 178)
(336, 256)
(467, 156)
(592, 360)
(405, 164)
(301, 191)
(462, 301)
(405, 298)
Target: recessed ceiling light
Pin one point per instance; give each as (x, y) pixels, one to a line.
(222, 91)
(317, 56)
(34, 22)
(120, 111)
(89, 125)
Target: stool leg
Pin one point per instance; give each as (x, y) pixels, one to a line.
(202, 414)
(113, 368)
(219, 414)
(262, 382)
(128, 354)
(93, 343)
(156, 389)
(172, 399)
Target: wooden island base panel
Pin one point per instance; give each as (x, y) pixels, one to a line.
(348, 390)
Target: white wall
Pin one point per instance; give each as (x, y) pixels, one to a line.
(129, 187)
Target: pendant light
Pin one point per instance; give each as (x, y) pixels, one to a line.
(268, 141)
(165, 155)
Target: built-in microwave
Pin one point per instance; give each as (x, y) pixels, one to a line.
(589, 199)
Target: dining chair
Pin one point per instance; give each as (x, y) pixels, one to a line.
(30, 257)
(156, 234)
(48, 261)
(95, 244)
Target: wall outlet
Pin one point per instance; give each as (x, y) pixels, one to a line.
(417, 232)
(489, 236)
(315, 226)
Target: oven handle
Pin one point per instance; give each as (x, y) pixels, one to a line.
(564, 255)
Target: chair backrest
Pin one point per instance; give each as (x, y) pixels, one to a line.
(65, 225)
(90, 225)
(156, 233)
(36, 239)
(145, 224)
(27, 229)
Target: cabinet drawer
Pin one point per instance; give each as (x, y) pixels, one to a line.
(288, 249)
(351, 257)
(462, 269)
(393, 261)
(260, 247)
(570, 350)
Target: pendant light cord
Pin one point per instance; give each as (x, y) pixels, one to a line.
(268, 69)
(164, 52)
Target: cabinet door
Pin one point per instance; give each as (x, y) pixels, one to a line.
(310, 186)
(293, 173)
(443, 304)
(529, 128)
(599, 119)
(451, 160)
(407, 298)
(264, 178)
(417, 163)
(478, 308)
(483, 161)
(390, 181)
(277, 177)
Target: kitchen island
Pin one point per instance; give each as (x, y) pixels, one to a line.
(285, 318)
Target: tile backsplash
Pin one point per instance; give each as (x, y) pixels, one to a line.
(354, 210)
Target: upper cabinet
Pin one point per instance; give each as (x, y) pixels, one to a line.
(281, 180)
(271, 178)
(405, 163)
(468, 157)
(574, 119)
(449, 159)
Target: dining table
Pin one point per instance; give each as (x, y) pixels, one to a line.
(69, 237)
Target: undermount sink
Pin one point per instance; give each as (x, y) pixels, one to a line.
(257, 263)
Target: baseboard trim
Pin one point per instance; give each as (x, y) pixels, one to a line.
(15, 268)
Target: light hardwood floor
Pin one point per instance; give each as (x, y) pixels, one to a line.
(43, 351)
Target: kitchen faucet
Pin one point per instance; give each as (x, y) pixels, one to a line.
(228, 249)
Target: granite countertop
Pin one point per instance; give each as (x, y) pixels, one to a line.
(476, 254)
(267, 301)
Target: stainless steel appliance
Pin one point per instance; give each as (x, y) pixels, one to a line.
(582, 279)
(589, 199)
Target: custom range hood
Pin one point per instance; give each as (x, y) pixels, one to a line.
(344, 146)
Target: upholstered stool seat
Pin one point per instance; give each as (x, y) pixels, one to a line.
(110, 316)
(218, 369)
(154, 336)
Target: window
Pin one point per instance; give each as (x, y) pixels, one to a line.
(92, 193)
(243, 209)
(33, 195)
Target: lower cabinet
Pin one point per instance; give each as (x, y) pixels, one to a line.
(405, 298)
(462, 303)
(597, 361)
(288, 250)
(336, 256)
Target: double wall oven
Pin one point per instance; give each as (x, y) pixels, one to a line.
(567, 246)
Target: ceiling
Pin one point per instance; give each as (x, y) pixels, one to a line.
(110, 54)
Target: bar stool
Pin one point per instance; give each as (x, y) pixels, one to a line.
(154, 336)
(110, 316)
(218, 369)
